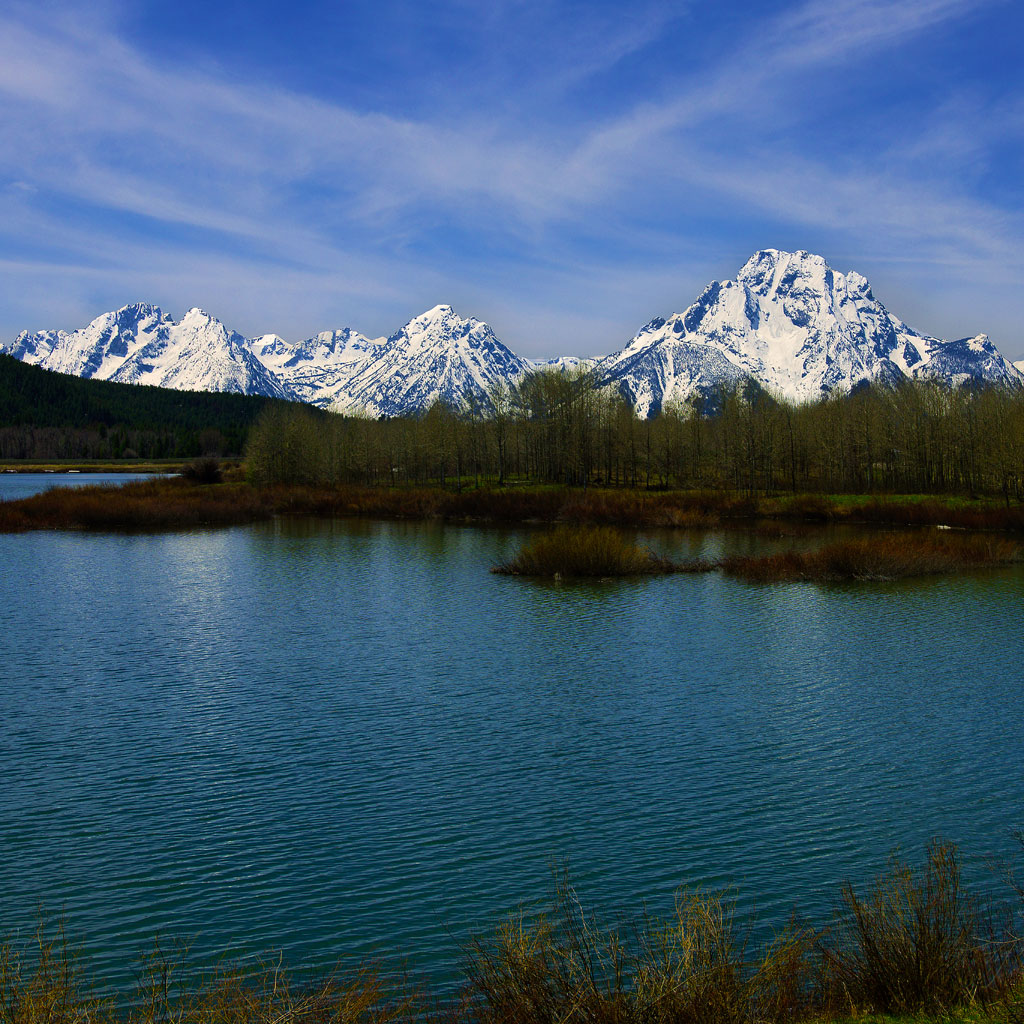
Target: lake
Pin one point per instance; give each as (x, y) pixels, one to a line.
(23, 485)
(350, 738)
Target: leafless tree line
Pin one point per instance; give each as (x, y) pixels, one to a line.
(558, 428)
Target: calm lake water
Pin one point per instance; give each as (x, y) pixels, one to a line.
(24, 485)
(349, 738)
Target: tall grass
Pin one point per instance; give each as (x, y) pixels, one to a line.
(692, 969)
(881, 557)
(918, 942)
(914, 944)
(46, 985)
(163, 504)
(172, 504)
(583, 551)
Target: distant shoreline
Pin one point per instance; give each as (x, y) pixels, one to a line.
(145, 466)
(170, 502)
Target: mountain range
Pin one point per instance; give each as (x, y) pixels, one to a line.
(788, 322)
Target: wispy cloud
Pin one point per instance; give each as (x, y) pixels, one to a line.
(123, 164)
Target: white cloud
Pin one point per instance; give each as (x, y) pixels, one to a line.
(156, 174)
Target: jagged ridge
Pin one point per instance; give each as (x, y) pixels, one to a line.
(788, 322)
(796, 327)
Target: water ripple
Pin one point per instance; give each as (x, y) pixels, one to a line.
(350, 738)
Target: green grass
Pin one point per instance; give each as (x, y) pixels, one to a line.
(95, 466)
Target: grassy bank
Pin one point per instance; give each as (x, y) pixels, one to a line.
(915, 946)
(95, 466)
(600, 551)
(172, 504)
(882, 557)
(161, 504)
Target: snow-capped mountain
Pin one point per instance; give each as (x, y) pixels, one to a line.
(318, 370)
(789, 322)
(437, 356)
(140, 344)
(797, 328)
(563, 364)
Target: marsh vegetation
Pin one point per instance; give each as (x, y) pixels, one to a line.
(915, 946)
(586, 551)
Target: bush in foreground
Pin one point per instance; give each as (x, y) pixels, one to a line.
(918, 942)
(590, 551)
(693, 968)
(916, 945)
(204, 470)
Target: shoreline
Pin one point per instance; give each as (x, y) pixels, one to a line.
(173, 503)
(140, 466)
(914, 945)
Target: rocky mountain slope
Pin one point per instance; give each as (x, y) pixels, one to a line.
(140, 344)
(796, 327)
(318, 370)
(788, 322)
(435, 356)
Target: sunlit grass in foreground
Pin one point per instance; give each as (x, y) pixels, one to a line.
(915, 946)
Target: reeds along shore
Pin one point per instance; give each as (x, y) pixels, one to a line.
(883, 557)
(600, 551)
(915, 946)
(584, 551)
(179, 503)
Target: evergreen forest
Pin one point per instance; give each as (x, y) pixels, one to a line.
(53, 416)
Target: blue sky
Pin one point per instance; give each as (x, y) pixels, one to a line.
(563, 170)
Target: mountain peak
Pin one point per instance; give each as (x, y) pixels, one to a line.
(777, 271)
(140, 309)
(786, 321)
(438, 314)
(791, 323)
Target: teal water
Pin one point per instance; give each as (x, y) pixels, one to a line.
(349, 738)
(23, 485)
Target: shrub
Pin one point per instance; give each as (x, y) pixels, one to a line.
(581, 552)
(692, 969)
(204, 470)
(916, 942)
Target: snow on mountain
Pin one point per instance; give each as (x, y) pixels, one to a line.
(437, 356)
(788, 322)
(797, 328)
(564, 364)
(318, 370)
(957, 362)
(140, 344)
(35, 347)
(660, 367)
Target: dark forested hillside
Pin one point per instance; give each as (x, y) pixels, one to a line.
(47, 415)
